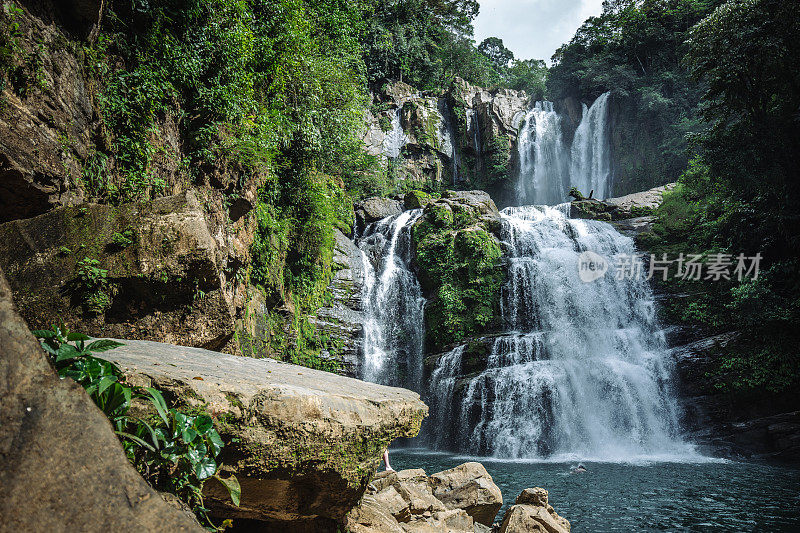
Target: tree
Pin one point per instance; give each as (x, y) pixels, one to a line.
(499, 56)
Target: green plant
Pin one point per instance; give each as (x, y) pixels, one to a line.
(174, 451)
(124, 239)
(92, 285)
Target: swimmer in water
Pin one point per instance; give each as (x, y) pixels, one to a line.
(580, 470)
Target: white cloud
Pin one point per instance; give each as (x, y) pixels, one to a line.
(533, 29)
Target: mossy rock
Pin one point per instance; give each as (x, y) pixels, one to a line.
(416, 199)
(458, 260)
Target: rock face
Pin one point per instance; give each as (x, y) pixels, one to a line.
(533, 513)
(409, 501)
(343, 318)
(55, 153)
(762, 428)
(457, 255)
(63, 468)
(465, 137)
(159, 271)
(305, 443)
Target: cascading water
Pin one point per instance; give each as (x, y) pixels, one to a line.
(548, 168)
(581, 370)
(543, 159)
(393, 304)
(590, 168)
(395, 139)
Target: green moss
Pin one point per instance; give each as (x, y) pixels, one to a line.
(459, 268)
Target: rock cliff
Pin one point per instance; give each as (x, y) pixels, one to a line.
(465, 137)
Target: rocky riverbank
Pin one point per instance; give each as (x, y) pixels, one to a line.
(463, 499)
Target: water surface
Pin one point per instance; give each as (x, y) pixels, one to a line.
(646, 496)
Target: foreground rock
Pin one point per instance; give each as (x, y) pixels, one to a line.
(533, 513)
(306, 442)
(462, 499)
(470, 487)
(62, 466)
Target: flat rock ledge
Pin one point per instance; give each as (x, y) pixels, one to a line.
(305, 443)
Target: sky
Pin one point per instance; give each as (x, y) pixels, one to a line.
(533, 29)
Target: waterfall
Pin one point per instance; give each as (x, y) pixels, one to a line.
(581, 370)
(543, 159)
(393, 304)
(547, 167)
(590, 167)
(395, 139)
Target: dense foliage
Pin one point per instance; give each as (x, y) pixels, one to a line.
(740, 194)
(635, 49)
(175, 451)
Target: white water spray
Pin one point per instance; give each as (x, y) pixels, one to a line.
(393, 304)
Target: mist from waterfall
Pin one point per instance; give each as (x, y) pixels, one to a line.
(548, 167)
(581, 370)
(393, 304)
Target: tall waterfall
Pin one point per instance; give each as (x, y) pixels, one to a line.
(395, 139)
(581, 369)
(393, 304)
(548, 167)
(590, 167)
(543, 159)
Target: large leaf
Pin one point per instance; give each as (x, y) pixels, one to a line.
(203, 423)
(74, 336)
(43, 333)
(103, 345)
(106, 382)
(232, 484)
(205, 468)
(66, 352)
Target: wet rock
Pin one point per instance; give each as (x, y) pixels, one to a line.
(469, 487)
(532, 513)
(63, 468)
(304, 442)
(375, 208)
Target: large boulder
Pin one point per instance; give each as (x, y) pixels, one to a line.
(470, 487)
(63, 468)
(159, 272)
(643, 202)
(533, 513)
(375, 208)
(304, 443)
